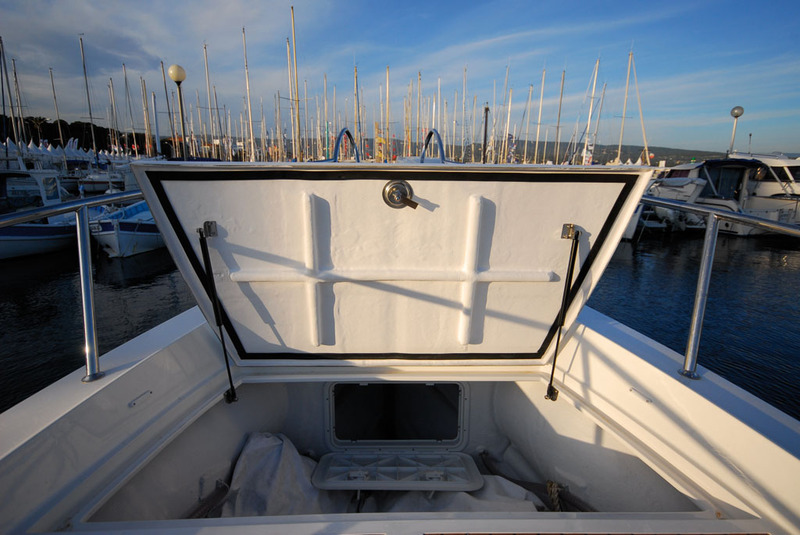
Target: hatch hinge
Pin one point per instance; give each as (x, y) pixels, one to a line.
(568, 232)
(209, 230)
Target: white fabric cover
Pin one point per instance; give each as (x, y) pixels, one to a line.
(272, 478)
(497, 494)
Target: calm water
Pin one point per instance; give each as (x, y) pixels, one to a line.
(41, 339)
(751, 334)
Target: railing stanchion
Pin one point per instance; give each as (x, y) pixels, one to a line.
(87, 294)
(700, 298)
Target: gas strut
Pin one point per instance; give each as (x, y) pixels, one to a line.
(209, 230)
(568, 232)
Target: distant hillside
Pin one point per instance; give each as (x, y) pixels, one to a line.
(669, 155)
(606, 153)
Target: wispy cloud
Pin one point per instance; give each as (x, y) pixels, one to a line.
(690, 72)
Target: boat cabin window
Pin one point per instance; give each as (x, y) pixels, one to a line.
(678, 173)
(391, 412)
(788, 173)
(727, 181)
(763, 174)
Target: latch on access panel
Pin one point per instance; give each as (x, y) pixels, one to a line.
(398, 193)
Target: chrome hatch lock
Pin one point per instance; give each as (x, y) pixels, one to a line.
(398, 193)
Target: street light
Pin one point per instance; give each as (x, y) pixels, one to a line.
(736, 112)
(178, 75)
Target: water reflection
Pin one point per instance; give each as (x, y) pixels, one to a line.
(40, 311)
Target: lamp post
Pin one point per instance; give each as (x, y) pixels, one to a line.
(178, 75)
(736, 112)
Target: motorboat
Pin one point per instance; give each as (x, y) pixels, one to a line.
(387, 348)
(764, 186)
(676, 188)
(23, 189)
(102, 181)
(127, 231)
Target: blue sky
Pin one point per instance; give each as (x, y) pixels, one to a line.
(694, 60)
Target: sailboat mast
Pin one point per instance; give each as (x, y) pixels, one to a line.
(308, 151)
(539, 120)
(463, 111)
(20, 117)
(291, 97)
(624, 106)
(8, 88)
(359, 139)
(527, 124)
(508, 124)
(591, 106)
(437, 114)
(113, 124)
(278, 126)
(355, 105)
(169, 111)
(410, 114)
(597, 123)
(263, 132)
(558, 121)
(228, 129)
(419, 107)
(58, 119)
(472, 132)
(296, 85)
(146, 113)
(202, 140)
(249, 107)
(641, 117)
(325, 109)
(55, 103)
(155, 124)
(219, 120)
(88, 100)
(386, 130)
(494, 124)
(208, 93)
(130, 111)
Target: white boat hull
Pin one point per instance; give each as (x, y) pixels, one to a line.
(121, 462)
(127, 231)
(121, 239)
(315, 288)
(33, 238)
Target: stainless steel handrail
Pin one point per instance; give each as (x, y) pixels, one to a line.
(26, 216)
(81, 209)
(736, 217)
(713, 216)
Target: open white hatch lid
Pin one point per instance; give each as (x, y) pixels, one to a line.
(330, 261)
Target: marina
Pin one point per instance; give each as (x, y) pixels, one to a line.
(399, 271)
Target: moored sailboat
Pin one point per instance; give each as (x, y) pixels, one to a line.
(127, 231)
(22, 189)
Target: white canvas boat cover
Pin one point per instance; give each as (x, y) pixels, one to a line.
(272, 478)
